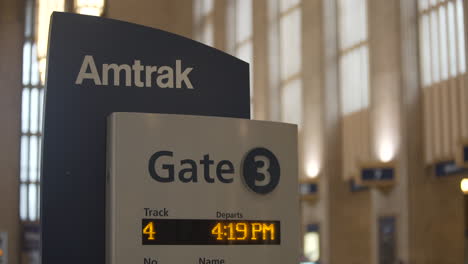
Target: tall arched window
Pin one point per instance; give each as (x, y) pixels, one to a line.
(442, 40)
(353, 55)
(240, 35)
(204, 21)
(290, 60)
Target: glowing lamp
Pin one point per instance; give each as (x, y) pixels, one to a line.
(89, 7)
(312, 170)
(464, 185)
(386, 152)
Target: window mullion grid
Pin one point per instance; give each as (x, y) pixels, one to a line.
(278, 21)
(451, 67)
(289, 10)
(457, 39)
(433, 17)
(29, 121)
(430, 60)
(440, 43)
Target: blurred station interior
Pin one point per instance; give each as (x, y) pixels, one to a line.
(378, 89)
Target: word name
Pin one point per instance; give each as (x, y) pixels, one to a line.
(210, 261)
(166, 76)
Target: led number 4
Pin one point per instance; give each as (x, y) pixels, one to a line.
(217, 231)
(149, 230)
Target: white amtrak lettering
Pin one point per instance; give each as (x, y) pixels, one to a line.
(166, 76)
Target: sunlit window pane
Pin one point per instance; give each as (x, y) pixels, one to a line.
(243, 20)
(38, 201)
(207, 6)
(354, 77)
(443, 43)
(34, 111)
(34, 67)
(352, 22)
(425, 44)
(23, 201)
(24, 158)
(442, 40)
(292, 102)
(353, 65)
(423, 4)
(461, 36)
(32, 210)
(26, 63)
(41, 108)
(287, 4)
(208, 34)
(245, 53)
(435, 48)
(33, 158)
(312, 246)
(25, 111)
(452, 39)
(28, 19)
(290, 42)
(39, 156)
(203, 17)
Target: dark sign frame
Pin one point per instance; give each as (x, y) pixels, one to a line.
(74, 142)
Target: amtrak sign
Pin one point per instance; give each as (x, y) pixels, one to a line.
(166, 76)
(98, 66)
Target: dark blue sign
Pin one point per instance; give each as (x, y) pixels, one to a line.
(97, 66)
(308, 188)
(312, 228)
(377, 174)
(447, 168)
(465, 153)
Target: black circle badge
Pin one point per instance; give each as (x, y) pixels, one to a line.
(261, 170)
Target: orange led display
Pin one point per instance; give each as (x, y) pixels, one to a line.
(209, 232)
(244, 231)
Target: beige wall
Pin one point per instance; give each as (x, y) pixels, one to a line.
(11, 39)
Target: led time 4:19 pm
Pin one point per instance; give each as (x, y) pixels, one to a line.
(244, 231)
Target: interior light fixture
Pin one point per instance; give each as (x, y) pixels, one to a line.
(312, 169)
(89, 7)
(464, 185)
(386, 151)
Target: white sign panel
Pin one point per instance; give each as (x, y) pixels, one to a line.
(202, 190)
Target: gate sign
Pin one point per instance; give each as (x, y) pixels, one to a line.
(97, 66)
(204, 190)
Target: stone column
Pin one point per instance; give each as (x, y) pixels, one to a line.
(11, 54)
